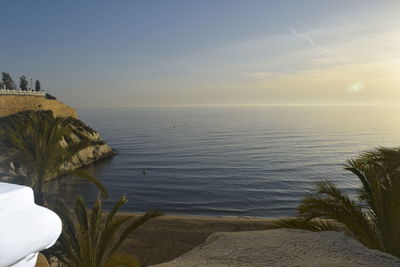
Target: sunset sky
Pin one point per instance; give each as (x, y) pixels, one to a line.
(151, 53)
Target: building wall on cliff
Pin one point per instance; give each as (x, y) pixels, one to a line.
(10, 104)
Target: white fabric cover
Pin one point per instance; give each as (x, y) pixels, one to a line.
(25, 228)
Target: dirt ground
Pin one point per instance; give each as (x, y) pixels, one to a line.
(168, 237)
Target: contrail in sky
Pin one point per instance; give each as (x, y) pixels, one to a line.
(311, 41)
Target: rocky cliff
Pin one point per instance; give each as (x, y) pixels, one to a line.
(11, 104)
(12, 130)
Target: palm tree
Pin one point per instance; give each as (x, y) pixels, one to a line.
(374, 219)
(41, 149)
(93, 239)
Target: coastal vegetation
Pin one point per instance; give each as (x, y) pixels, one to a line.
(85, 145)
(94, 238)
(49, 96)
(23, 83)
(374, 218)
(35, 135)
(38, 86)
(41, 144)
(7, 82)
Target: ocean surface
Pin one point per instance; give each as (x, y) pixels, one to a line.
(230, 161)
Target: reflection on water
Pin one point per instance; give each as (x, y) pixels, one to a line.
(257, 161)
(70, 187)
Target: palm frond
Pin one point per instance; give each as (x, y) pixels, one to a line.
(331, 203)
(365, 192)
(93, 239)
(81, 214)
(381, 170)
(109, 235)
(67, 246)
(111, 226)
(95, 229)
(133, 226)
(87, 176)
(41, 149)
(313, 225)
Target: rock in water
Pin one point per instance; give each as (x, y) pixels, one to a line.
(282, 247)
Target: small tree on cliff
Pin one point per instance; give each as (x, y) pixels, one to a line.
(38, 86)
(23, 83)
(8, 81)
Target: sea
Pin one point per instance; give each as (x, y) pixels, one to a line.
(229, 161)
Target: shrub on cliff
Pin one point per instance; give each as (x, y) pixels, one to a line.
(13, 129)
(49, 96)
(375, 219)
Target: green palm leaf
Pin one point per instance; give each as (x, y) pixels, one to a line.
(133, 226)
(90, 178)
(93, 239)
(304, 224)
(40, 148)
(332, 203)
(375, 220)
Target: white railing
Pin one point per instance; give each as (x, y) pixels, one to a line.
(20, 92)
(25, 228)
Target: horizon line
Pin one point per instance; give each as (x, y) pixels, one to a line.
(249, 105)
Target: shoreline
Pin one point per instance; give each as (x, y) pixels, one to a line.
(170, 236)
(167, 216)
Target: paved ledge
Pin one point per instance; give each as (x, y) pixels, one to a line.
(282, 247)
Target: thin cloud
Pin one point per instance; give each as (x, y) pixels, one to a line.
(310, 41)
(263, 75)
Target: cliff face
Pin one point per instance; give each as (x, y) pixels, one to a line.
(97, 149)
(12, 129)
(11, 104)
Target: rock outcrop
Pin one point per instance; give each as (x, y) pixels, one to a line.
(282, 247)
(12, 104)
(12, 130)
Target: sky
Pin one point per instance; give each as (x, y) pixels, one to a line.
(205, 53)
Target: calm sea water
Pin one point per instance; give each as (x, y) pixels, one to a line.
(253, 161)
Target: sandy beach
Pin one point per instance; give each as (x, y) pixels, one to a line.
(168, 237)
